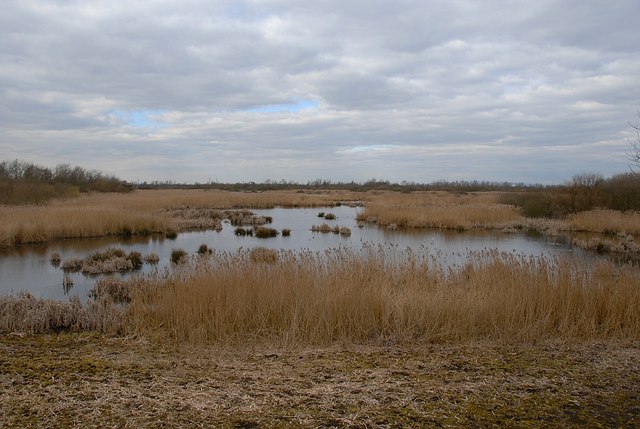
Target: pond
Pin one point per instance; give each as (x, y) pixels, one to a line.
(28, 268)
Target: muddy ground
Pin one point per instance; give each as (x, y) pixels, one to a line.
(87, 380)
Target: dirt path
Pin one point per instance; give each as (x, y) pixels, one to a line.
(87, 381)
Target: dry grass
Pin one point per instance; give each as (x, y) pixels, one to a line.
(139, 212)
(440, 210)
(35, 224)
(27, 314)
(88, 381)
(344, 297)
(606, 221)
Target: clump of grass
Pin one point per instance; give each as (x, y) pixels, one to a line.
(111, 265)
(72, 264)
(178, 256)
(321, 214)
(329, 216)
(241, 232)
(204, 250)
(324, 228)
(108, 261)
(171, 235)
(264, 232)
(151, 258)
(55, 259)
(337, 229)
(344, 231)
(135, 258)
(26, 314)
(286, 232)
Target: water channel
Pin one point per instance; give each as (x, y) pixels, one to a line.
(28, 268)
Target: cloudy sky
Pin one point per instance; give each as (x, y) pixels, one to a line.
(249, 90)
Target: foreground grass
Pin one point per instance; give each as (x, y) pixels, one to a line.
(379, 296)
(90, 381)
(371, 297)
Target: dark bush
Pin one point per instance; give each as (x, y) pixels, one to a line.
(264, 232)
(178, 255)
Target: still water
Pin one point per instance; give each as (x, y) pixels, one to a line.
(28, 268)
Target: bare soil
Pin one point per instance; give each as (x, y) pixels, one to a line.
(88, 380)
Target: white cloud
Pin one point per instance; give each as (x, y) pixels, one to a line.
(421, 90)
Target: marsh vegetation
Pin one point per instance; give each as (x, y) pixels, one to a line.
(375, 314)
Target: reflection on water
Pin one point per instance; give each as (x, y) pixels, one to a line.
(28, 268)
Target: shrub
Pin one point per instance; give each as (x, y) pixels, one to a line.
(152, 258)
(264, 232)
(135, 258)
(178, 256)
(204, 250)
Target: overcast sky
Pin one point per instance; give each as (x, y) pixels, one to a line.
(416, 90)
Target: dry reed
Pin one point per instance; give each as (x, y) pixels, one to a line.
(139, 212)
(440, 210)
(606, 221)
(345, 297)
(27, 314)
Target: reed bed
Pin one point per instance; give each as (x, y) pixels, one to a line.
(35, 224)
(606, 221)
(440, 210)
(139, 212)
(376, 298)
(154, 200)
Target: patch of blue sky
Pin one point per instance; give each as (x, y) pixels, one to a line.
(372, 148)
(139, 118)
(294, 107)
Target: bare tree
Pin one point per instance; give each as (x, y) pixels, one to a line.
(634, 154)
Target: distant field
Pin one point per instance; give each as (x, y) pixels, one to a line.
(147, 211)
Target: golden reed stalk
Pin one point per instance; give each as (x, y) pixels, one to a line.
(376, 297)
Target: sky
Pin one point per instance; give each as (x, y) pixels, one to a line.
(248, 90)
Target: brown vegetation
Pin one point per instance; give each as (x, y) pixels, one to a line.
(89, 381)
(439, 210)
(344, 297)
(140, 212)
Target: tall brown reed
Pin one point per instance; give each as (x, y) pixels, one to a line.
(606, 221)
(132, 213)
(440, 210)
(342, 296)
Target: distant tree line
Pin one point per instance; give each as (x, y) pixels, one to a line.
(318, 184)
(22, 182)
(583, 192)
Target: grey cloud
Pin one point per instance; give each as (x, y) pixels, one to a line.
(452, 86)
